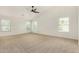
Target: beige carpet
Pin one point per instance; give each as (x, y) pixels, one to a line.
(37, 43)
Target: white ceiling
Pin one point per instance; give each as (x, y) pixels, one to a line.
(23, 12)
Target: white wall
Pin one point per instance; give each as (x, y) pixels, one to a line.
(18, 20)
(78, 25)
(47, 20)
(17, 27)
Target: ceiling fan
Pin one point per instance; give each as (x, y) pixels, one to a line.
(34, 10)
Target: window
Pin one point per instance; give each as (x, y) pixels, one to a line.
(34, 26)
(28, 26)
(31, 26)
(64, 24)
(5, 25)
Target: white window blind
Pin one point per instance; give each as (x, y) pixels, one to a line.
(5, 25)
(64, 24)
(31, 26)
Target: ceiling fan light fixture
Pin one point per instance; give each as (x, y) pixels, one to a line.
(34, 10)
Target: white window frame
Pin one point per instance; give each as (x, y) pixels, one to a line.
(5, 25)
(31, 26)
(63, 24)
